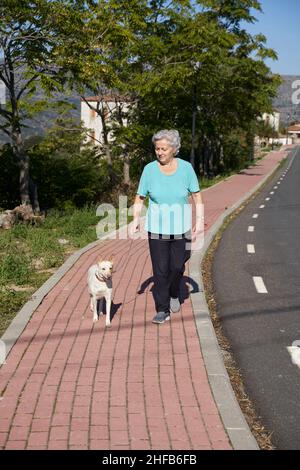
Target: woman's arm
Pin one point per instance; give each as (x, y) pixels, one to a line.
(199, 216)
(137, 209)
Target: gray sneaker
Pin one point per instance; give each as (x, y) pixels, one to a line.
(161, 317)
(174, 305)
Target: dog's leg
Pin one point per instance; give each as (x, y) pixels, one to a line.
(100, 309)
(94, 303)
(108, 307)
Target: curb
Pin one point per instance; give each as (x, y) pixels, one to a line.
(233, 419)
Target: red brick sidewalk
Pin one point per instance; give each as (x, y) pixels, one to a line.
(69, 384)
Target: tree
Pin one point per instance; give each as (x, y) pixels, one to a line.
(28, 41)
(203, 53)
(71, 172)
(180, 61)
(109, 68)
(36, 41)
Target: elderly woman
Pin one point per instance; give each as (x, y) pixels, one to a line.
(168, 181)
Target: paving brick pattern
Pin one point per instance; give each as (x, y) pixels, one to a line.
(72, 384)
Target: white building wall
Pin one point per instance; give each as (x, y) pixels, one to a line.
(273, 120)
(92, 120)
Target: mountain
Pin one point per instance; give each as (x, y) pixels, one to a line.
(44, 119)
(289, 111)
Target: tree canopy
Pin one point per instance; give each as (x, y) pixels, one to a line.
(184, 64)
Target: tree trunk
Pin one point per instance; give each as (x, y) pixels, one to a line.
(210, 159)
(205, 156)
(222, 163)
(126, 168)
(105, 137)
(34, 196)
(194, 113)
(250, 142)
(23, 163)
(106, 146)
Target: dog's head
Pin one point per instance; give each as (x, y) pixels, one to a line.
(105, 268)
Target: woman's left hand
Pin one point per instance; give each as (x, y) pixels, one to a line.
(197, 230)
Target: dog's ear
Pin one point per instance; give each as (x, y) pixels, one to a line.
(111, 258)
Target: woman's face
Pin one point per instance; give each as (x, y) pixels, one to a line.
(164, 151)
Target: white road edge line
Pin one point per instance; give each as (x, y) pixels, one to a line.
(260, 285)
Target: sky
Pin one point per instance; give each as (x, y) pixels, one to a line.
(280, 23)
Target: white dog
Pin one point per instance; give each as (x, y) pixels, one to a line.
(100, 286)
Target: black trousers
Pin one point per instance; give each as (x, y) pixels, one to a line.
(168, 258)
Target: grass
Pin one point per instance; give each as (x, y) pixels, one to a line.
(29, 255)
(208, 182)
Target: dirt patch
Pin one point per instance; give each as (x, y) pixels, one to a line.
(16, 288)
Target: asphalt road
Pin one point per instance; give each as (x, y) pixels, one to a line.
(260, 326)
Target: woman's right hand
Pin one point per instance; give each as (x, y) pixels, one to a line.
(135, 226)
(137, 209)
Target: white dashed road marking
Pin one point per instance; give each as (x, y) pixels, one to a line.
(250, 249)
(251, 228)
(260, 285)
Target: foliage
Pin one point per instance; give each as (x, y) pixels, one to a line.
(69, 173)
(174, 60)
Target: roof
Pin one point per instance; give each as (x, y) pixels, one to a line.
(294, 128)
(111, 97)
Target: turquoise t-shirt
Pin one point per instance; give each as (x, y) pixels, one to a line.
(169, 211)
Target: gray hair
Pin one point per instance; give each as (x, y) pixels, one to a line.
(171, 136)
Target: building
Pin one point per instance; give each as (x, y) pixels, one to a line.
(272, 119)
(294, 133)
(98, 113)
